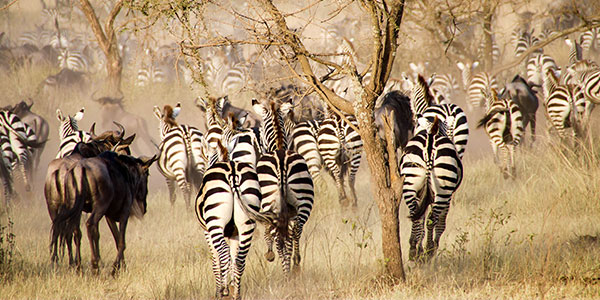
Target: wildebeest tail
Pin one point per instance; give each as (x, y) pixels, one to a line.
(69, 213)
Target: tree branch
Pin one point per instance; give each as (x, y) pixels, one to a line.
(595, 23)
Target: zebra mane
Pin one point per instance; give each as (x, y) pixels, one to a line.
(277, 125)
(168, 116)
(421, 96)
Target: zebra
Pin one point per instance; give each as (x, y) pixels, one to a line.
(503, 123)
(17, 144)
(575, 50)
(286, 187)
(432, 171)
(590, 41)
(149, 74)
(476, 85)
(565, 106)
(586, 74)
(442, 87)
(229, 193)
(69, 132)
(340, 147)
(524, 40)
(73, 60)
(176, 161)
(537, 66)
(453, 117)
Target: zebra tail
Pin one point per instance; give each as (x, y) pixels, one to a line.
(67, 219)
(265, 218)
(422, 208)
(489, 116)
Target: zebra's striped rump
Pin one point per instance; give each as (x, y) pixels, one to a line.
(432, 171)
(228, 201)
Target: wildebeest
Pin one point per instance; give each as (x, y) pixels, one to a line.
(521, 93)
(110, 185)
(55, 182)
(398, 104)
(65, 79)
(111, 109)
(37, 123)
(227, 109)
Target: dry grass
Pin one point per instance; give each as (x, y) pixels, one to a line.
(534, 237)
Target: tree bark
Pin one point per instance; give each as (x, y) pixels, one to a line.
(107, 40)
(489, 11)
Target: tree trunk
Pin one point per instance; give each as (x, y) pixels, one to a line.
(107, 40)
(488, 61)
(387, 201)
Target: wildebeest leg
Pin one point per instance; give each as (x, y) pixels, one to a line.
(120, 261)
(94, 236)
(77, 239)
(532, 127)
(114, 230)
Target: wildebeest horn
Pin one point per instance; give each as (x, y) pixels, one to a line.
(93, 131)
(114, 148)
(122, 134)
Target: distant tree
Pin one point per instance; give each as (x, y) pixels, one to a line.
(107, 40)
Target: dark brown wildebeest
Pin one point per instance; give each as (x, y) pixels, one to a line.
(397, 104)
(110, 185)
(66, 79)
(111, 110)
(37, 123)
(55, 182)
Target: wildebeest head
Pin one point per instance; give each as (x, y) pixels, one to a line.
(106, 100)
(21, 108)
(142, 166)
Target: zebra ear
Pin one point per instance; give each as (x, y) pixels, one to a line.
(79, 115)
(413, 67)
(474, 65)
(176, 110)
(258, 108)
(157, 112)
(460, 65)
(200, 103)
(242, 119)
(59, 115)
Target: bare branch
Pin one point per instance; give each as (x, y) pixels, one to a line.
(8, 5)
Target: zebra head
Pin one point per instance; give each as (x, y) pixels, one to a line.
(68, 124)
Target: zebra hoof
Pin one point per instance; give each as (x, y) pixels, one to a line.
(270, 256)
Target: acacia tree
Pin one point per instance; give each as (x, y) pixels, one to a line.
(107, 40)
(269, 27)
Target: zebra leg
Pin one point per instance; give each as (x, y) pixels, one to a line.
(297, 232)
(337, 175)
(269, 230)
(246, 232)
(352, 180)
(513, 168)
(437, 220)
(416, 236)
(283, 246)
(216, 266)
(24, 172)
(224, 260)
(171, 186)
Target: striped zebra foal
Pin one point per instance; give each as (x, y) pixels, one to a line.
(229, 196)
(176, 161)
(286, 187)
(503, 124)
(69, 132)
(431, 171)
